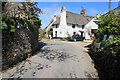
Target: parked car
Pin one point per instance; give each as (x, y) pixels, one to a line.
(76, 37)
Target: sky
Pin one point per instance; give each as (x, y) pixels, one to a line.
(68, 0)
(50, 9)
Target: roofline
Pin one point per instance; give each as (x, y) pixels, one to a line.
(79, 14)
(72, 12)
(49, 24)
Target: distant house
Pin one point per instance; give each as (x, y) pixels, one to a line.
(70, 23)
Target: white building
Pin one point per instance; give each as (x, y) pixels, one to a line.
(70, 23)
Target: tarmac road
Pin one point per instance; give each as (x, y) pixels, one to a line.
(57, 59)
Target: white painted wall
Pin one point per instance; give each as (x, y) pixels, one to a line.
(55, 29)
(65, 30)
(88, 27)
(68, 30)
(62, 30)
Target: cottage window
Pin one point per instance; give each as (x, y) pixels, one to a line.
(56, 26)
(73, 25)
(82, 26)
(74, 33)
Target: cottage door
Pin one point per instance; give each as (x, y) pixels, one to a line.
(81, 34)
(55, 33)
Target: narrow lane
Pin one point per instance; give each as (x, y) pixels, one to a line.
(57, 59)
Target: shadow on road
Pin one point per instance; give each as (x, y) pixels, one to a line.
(100, 74)
(42, 44)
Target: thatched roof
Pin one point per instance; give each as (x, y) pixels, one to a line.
(74, 18)
(57, 20)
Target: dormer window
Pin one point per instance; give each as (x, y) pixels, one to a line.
(73, 25)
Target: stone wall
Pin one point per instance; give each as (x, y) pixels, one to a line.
(19, 45)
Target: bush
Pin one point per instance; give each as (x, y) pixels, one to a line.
(46, 37)
(109, 52)
(41, 33)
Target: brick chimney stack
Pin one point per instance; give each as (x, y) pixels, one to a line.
(83, 11)
(63, 8)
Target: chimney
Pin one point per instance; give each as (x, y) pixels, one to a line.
(83, 11)
(63, 8)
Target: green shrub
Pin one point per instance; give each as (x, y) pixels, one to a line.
(46, 37)
(10, 24)
(109, 52)
(4, 25)
(64, 39)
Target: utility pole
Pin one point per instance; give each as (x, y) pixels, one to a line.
(109, 5)
(119, 4)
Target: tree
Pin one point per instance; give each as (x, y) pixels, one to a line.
(30, 9)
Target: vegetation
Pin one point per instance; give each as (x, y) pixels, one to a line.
(50, 32)
(109, 52)
(109, 25)
(46, 37)
(11, 24)
(41, 33)
(19, 34)
(64, 39)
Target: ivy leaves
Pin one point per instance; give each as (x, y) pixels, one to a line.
(12, 28)
(4, 25)
(10, 24)
(109, 52)
(108, 25)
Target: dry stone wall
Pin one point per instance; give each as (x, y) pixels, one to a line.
(18, 45)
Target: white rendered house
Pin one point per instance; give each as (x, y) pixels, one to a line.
(70, 23)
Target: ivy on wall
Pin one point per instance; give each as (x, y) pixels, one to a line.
(10, 24)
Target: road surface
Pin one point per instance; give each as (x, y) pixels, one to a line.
(57, 59)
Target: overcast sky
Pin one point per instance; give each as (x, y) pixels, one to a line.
(53, 8)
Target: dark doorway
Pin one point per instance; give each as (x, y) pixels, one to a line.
(55, 33)
(51, 30)
(81, 34)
